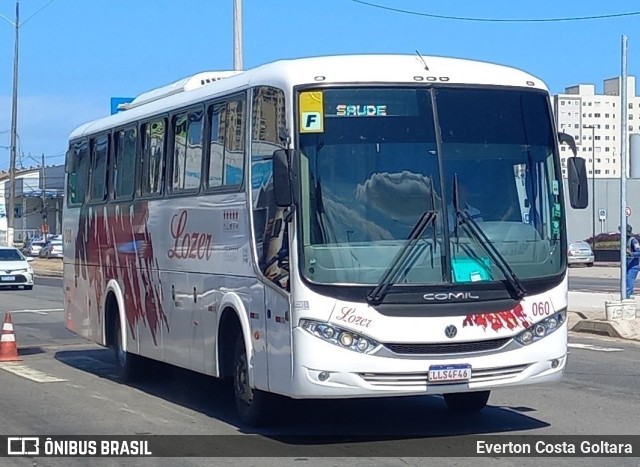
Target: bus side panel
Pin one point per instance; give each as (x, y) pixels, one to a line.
(81, 313)
(213, 290)
(178, 300)
(279, 339)
(82, 281)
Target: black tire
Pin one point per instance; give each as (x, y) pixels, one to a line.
(589, 265)
(28, 287)
(467, 402)
(127, 364)
(252, 404)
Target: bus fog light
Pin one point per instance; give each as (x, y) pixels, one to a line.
(324, 375)
(555, 363)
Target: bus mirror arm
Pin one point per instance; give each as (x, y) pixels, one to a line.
(568, 139)
(282, 185)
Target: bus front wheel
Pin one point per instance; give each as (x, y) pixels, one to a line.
(467, 402)
(126, 364)
(251, 404)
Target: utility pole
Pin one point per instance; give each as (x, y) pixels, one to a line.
(623, 172)
(593, 184)
(14, 135)
(45, 227)
(237, 35)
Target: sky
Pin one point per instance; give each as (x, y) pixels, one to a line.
(76, 54)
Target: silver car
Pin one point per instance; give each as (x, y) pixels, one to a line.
(580, 253)
(33, 247)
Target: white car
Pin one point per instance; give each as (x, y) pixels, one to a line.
(15, 270)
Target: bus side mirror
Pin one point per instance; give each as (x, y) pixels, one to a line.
(281, 178)
(577, 178)
(69, 166)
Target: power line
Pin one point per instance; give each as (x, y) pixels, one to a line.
(499, 20)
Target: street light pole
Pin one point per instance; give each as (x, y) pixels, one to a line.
(14, 135)
(237, 35)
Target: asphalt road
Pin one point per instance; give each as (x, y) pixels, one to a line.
(74, 392)
(594, 284)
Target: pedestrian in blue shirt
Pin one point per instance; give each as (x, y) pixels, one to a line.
(633, 260)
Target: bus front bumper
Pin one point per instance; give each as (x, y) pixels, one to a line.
(324, 370)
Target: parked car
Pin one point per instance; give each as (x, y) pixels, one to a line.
(15, 269)
(580, 253)
(51, 249)
(33, 247)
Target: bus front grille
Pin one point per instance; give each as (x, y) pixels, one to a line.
(448, 348)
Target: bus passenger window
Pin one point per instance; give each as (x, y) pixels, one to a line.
(125, 163)
(216, 153)
(234, 144)
(187, 151)
(78, 178)
(99, 160)
(226, 154)
(153, 157)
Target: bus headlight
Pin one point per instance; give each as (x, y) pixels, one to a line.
(340, 337)
(537, 331)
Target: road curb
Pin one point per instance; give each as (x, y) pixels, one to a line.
(622, 329)
(44, 273)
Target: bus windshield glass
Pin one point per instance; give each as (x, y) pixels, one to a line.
(374, 160)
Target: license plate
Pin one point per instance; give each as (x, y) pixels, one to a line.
(8, 278)
(449, 373)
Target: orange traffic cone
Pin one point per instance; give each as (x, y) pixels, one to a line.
(8, 346)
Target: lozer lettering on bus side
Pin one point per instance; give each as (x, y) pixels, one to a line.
(188, 245)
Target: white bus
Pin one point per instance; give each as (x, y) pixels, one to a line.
(330, 227)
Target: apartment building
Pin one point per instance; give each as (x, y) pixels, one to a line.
(594, 121)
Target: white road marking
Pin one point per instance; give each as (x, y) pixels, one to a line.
(597, 348)
(30, 373)
(42, 311)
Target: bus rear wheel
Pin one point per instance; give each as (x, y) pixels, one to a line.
(252, 404)
(467, 402)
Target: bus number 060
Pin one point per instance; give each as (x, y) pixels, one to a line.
(541, 309)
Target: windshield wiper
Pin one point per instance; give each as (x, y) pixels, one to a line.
(477, 233)
(376, 296)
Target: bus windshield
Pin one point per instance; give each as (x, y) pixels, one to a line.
(374, 160)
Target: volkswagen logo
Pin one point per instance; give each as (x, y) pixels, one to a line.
(450, 331)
